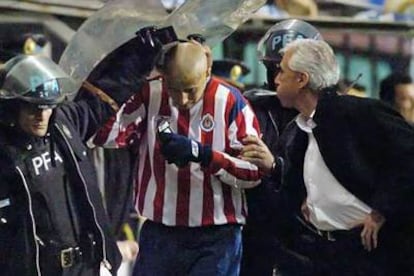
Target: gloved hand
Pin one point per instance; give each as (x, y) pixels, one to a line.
(180, 150)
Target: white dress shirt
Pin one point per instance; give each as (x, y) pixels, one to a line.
(331, 206)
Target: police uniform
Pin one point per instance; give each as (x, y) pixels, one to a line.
(270, 225)
(52, 220)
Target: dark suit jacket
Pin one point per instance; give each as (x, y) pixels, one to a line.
(367, 146)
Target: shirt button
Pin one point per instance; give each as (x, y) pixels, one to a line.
(29, 147)
(84, 153)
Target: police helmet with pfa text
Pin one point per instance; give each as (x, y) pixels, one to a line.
(277, 37)
(34, 79)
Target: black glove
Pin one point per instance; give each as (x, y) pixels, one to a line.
(180, 150)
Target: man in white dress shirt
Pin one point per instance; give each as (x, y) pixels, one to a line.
(346, 167)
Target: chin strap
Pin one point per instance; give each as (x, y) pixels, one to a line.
(51, 140)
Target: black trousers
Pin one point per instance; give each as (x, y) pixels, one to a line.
(346, 255)
(78, 269)
(265, 255)
(82, 269)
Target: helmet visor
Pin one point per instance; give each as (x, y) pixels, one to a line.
(269, 46)
(282, 33)
(36, 79)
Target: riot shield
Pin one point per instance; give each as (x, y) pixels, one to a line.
(214, 20)
(109, 28)
(106, 51)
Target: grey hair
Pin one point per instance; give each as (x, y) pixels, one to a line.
(316, 58)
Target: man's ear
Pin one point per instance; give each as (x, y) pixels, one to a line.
(303, 79)
(209, 59)
(209, 65)
(208, 74)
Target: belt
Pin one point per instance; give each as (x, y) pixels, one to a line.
(70, 256)
(329, 235)
(333, 235)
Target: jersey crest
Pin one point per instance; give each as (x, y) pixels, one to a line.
(207, 122)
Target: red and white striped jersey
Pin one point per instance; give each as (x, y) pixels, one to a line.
(192, 195)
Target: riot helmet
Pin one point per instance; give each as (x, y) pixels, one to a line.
(35, 79)
(277, 37)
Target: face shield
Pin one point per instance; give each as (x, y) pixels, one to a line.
(282, 33)
(37, 80)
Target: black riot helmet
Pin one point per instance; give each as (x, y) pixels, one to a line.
(36, 80)
(277, 37)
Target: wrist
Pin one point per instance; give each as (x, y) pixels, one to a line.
(273, 167)
(206, 155)
(270, 170)
(277, 162)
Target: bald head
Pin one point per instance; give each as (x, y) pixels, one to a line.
(186, 71)
(187, 61)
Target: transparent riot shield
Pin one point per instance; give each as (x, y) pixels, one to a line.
(215, 20)
(115, 25)
(106, 30)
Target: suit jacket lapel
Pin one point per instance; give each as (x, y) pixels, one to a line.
(334, 138)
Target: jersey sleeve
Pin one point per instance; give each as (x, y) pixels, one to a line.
(227, 166)
(125, 125)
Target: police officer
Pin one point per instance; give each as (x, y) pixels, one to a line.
(269, 222)
(52, 220)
